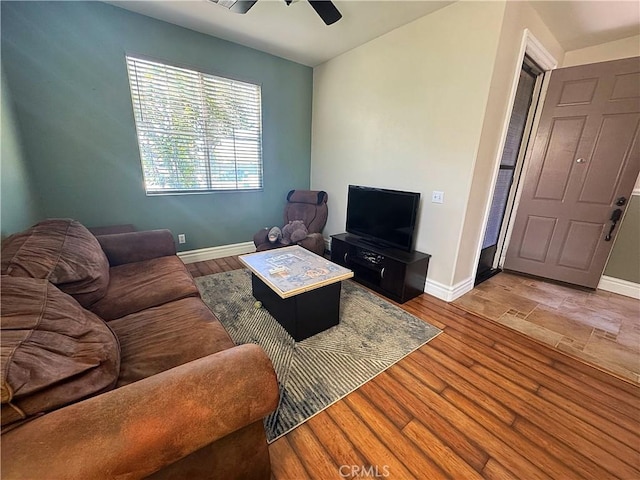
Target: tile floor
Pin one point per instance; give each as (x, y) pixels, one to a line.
(598, 327)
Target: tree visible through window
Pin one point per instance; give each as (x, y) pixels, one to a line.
(196, 132)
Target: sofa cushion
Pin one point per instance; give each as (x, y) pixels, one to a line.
(163, 337)
(62, 251)
(54, 352)
(139, 285)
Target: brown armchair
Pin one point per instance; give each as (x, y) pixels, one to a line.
(310, 206)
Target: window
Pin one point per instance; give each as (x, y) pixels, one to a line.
(196, 132)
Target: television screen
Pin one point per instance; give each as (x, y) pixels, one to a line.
(386, 217)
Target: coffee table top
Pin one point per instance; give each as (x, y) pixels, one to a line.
(293, 270)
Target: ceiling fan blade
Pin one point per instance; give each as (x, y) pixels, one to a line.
(238, 6)
(242, 6)
(327, 11)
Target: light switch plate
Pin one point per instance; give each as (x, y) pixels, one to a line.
(437, 197)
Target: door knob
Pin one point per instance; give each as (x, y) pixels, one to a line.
(581, 160)
(615, 218)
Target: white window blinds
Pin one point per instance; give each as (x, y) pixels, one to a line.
(196, 132)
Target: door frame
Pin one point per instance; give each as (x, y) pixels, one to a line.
(535, 50)
(520, 171)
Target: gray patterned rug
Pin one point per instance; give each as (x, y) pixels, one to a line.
(373, 334)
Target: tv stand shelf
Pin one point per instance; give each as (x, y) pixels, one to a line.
(394, 273)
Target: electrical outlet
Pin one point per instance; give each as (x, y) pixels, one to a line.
(437, 197)
(182, 238)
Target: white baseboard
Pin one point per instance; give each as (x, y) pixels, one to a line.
(448, 293)
(619, 286)
(204, 254)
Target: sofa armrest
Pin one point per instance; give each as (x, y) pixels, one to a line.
(137, 429)
(132, 247)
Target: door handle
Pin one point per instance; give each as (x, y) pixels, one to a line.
(615, 218)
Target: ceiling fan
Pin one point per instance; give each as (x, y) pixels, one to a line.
(324, 8)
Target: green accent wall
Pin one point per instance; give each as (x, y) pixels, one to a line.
(18, 200)
(65, 66)
(624, 261)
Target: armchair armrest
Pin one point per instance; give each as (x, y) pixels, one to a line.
(137, 429)
(261, 237)
(313, 242)
(137, 246)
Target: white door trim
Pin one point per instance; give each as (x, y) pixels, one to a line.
(524, 170)
(533, 48)
(505, 229)
(536, 52)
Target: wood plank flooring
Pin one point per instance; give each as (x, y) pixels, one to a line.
(478, 401)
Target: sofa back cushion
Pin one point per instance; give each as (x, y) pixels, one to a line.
(54, 352)
(62, 251)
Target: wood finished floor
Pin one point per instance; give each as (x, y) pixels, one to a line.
(599, 327)
(478, 401)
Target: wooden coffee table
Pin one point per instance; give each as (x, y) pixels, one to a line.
(299, 288)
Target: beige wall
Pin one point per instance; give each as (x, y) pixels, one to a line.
(518, 17)
(405, 111)
(424, 108)
(627, 47)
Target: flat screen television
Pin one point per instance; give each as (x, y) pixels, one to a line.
(383, 217)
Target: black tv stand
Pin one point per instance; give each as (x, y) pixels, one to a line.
(394, 273)
(371, 243)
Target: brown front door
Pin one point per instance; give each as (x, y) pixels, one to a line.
(584, 163)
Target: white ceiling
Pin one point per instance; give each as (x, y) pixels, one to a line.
(295, 32)
(579, 24)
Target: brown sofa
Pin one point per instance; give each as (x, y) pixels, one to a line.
(112, 366)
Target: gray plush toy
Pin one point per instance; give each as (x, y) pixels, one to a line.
(293, 232)
(274, 235)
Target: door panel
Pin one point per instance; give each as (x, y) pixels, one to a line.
(577, 92)
(585, 156)
(537, 238)
(579, 245)
(626, 86)
(615, 139)
(564, 139)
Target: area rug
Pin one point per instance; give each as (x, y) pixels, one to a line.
(373, 334)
